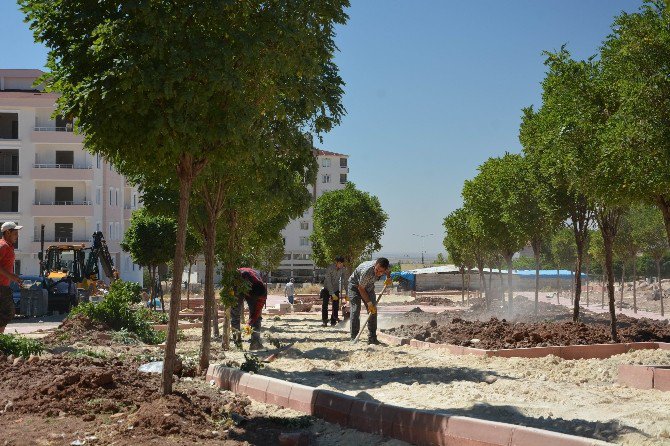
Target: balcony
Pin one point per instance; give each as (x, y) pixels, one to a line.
(47, 171)
(63, 209)
(53, 134)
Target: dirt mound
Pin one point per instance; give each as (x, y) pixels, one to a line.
(79, 328)
(440, 301)
(497, 334)
(95, 391)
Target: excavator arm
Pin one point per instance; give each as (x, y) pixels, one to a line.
(99, 251)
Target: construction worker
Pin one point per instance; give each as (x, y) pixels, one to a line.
(254, 291)
(10, 236)
(331, 291)
(289, 290)
(362, 291)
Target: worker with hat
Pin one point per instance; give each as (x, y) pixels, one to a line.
(10, 236)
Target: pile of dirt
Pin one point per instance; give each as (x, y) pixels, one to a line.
(435, 301)
(522, 309)
(79, 328)
(497, 334)
(114, 401)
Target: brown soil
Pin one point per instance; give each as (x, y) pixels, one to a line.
(497, 334)
(64, 398)
(432, 301)
(79, 328)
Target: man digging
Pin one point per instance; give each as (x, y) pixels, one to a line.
(330, 292)
(362, 288)
(255, 294)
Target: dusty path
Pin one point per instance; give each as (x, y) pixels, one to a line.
(576, 397)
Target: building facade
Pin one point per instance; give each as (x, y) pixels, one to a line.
(332, 175)
(47, 178)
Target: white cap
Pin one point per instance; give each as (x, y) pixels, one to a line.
(9, 225)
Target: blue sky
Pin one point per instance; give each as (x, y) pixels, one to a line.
(434, 88)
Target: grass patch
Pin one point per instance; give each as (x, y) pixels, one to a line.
(19, 346)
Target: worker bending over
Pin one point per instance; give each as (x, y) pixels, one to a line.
(330, 292)
(254, 291)
(362, 288)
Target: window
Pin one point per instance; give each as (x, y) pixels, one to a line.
(325, 179)
(134, 201)
(63, 232)
(118, 230)
(64, 195)
(343, 178)
(111, 234)
(116, 197)
(98, 194)
(97, 226)
(325, 162)
(110, 197)
(287, 256)
(343, 162)
(304, 241)
(304, 225)
(65, 158)
(97, 161)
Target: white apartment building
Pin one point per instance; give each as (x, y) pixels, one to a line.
(297, 262)
(47, 178)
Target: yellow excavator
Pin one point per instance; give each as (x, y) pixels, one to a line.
(72, 270)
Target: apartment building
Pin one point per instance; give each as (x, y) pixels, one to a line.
(47, 178)
(332, 175)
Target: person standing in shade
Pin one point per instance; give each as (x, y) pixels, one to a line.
(10, 235)
(331, 291)
(289, 291)
(362, 291)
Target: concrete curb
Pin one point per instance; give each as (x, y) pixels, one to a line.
(415, 426)
(594, 351)
(645, 377)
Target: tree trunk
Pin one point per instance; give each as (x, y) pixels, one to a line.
(468, 286)
(491, 281)
(623, 282)
(536, 252)
(602, 289)
(482, 284)
(188, 284)
(225, 342)
(588, 279)
(581, 218)
(634, 285)
(510, 278)
(572, 289)
(462, 285)
(558, 285)
(210, 305)
(663, 203)
(660, 285)
(187, 169)
(608, 221)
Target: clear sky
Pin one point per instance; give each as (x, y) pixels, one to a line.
(434, 88)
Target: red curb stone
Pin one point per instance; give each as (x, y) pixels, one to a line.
(392, 340)
(302, 398)
(332, 406)
(367, 416)
(475, 351)
(432, 428)
(600, 351)
(463, 431)
(278, 392)
(256, 387)
(663, 345)
(638, 376)
(528, 436)
(662, 378)
(531, 352)
(403, 424)
(642, 346)
(241, 384)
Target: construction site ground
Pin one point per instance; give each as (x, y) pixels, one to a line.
(579, 397)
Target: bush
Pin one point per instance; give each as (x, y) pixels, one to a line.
(251, 363)
(116, 311)
(19, 346)
(131, 289)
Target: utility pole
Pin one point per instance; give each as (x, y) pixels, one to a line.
(422, 236)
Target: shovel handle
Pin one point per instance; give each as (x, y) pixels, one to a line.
(368, 318)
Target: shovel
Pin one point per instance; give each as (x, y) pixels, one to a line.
(353, 341)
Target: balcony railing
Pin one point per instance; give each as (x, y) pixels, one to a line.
(54, 129)
(63, 203)
(62, 166)
(9, 172)
(61, 240)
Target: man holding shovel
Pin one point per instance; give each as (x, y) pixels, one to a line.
(362, 291)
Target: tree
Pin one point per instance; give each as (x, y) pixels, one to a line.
(634, 59)
(563, 252)
(440, 259)
(498, 195)
(460, 245)
(150, 241)
(648, 230)
(212, 69)
(347, 223)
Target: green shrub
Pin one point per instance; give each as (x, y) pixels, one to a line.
(19, 346)
(116, 311)
(251, 363)
(131, 289)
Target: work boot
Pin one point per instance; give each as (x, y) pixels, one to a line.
(333, 323)
(255, 344)
(325, 324)
(374, 341)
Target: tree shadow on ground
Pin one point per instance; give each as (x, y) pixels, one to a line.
(347, 380)
(609, 431)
